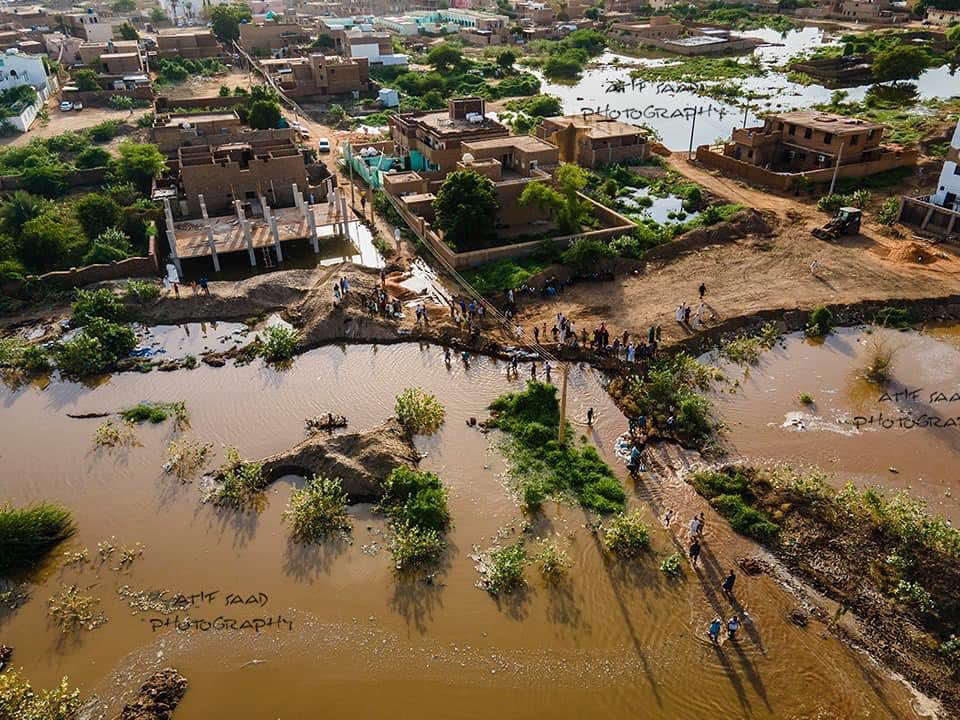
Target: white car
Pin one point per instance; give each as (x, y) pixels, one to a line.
(324, 145)
(66, 105)
(78, 106)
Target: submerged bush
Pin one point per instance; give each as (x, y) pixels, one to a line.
(821, 322)
(279, 343)
(145, 412)
(27, 535)
(111, 435)
(186, 458)
(241, 483)
(419, 412)
(318, 510)
(72, 610)
(626, 535)
(504, 568)
(541, 466)
(880, 355)
(417, 498)
(19, 701)
(412, 545)
(553, 560)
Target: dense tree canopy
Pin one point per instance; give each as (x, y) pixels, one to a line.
(900, 62)
(226, 21)
(466, 208)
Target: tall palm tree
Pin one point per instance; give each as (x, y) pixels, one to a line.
(20, 208)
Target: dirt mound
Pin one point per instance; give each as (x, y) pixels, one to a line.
(911, 252)
(361, 460)
(744, 224)
(158, 697)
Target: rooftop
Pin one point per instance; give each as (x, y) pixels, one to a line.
(827, 122)
(193, 119)
(527, 143)
(698, 41)
(599, 125)
(440, 122)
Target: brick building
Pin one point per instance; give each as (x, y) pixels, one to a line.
(119, 57)
(267, 38)
(171, 130)
(594, 140)
(431, 140)
(188, 44)
(319, 75)
(807, 140)
(241, 171)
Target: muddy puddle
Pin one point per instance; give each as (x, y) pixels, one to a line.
(331, 630)
(901, 434)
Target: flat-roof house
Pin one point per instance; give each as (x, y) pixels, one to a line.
(594, 140)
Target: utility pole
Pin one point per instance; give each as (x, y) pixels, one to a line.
(563, 405)
(693, 126)
(836, 168)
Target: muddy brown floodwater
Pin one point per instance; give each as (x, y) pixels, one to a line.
(618, 641)
(854, 429)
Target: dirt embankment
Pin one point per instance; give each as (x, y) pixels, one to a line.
(158, 697)
(361, 460)
(856, 556)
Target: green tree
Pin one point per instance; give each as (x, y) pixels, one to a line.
(96, 212)
(128, 32)
(157, 15)
(18, 209)
(50, 242)
(900, 62)
(592, 13)
(226, 21)
(224, 91)
(466, 209)
(85, 79)
(92, 157)
(953, 35)
(45, 176)
(138, 164)
(122, 6)
(444, 57)
(561, 201)
(506, 58)
(264, 114)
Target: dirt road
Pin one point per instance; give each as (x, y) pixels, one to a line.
(753, 273)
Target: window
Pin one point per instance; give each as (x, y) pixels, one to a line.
(870, 135)
(750, 153)
(808, 133)
(780, 126)
(855, 140)
(828, 138)
(792, 130)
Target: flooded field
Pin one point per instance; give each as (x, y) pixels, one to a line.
(657, 104)
(903, 434)
(350, 637)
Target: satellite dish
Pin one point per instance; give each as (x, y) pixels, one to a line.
(467, 158)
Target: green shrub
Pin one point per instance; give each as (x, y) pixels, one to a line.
(145, 412)
(81, 356)
(542, 467)
(101, 303)
(730, 494)
(412, 545)
(504, 569)
(626, 535)
(27, 535)
(914, 594)
(806, 398)
(19, 701)
(419, 412)
(950, 650)
(142, 291)
(887, 214)
(417, 498)
(552, 559)
(900, 318)
(586, 253)
(279, 343)
(105, 131)
(318, 510)
(241, 483)
(821, 322)
(672, 566)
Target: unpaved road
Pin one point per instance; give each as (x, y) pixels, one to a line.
(750, 274)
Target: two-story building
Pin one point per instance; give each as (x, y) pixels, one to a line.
(807, 140)
(17, 68)
(319, 75)
(192, 44)
(114, 57)
(594, 140)
(264, 39)
(88, 26)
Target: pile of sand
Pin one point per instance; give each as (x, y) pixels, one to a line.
(911, 252)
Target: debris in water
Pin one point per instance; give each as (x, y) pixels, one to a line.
(893, 469)
(253, 662)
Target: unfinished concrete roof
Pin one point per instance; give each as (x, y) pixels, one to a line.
(527, 143)
(599, 125)
(828, 122)
(440, 122)
(194, 118)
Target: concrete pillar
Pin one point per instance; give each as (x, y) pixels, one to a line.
(272, 222)
(346, 215)
(953, 221)
(926, 218)
(312, 224)
(172, 236)
(297, 199)
(245, 228)
(210, 240)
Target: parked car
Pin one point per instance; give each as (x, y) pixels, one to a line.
(66, 106)
(78, 106)
(324, 145)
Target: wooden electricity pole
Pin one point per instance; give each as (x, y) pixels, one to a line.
(563, 405)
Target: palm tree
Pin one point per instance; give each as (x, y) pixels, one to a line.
(19, 209)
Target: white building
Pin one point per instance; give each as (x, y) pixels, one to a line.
(18, 69)
(88, 26)
(948, 187)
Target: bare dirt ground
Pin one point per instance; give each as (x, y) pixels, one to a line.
(206, 86)
(753, 273)
(61, 122)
